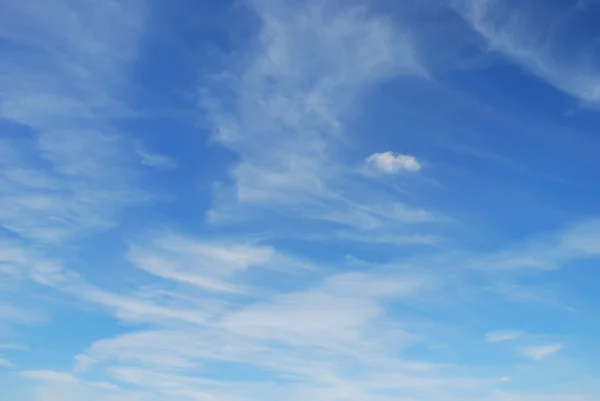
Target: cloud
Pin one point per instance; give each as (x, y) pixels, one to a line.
(333, 338)
(310, 337)
(530, 36)
(137, 307)
(502, 335)
(577, 241)
(55, 385)
(48, 375)
(393, 163)
(220, 315)
(386, 239)
(156, 160)
(538, 353)
(19, 314)
(16, 347)
(202, 264)
(293, 95)
(12, 257)
(331, 335)
(67, 167)
(5, 363)
(330, 315)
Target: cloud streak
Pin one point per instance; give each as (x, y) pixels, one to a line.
(540, 352)
(530, 37)
(67, 169)
(502, 335)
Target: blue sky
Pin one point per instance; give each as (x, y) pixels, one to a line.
(366, 200)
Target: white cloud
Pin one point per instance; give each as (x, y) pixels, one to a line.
(548, 251)
(304, 77)
(392, 214)
(54, 385)
(387, 239)
(540, 352)
(203, 264)
(393, 163)
(332, 315)
(48, 375)
(502, 335)
(541, 396)
(50, 273)
(12, 257)
(581, 239)
(156, 160)
(5, 363)
(310, 336)
(19, 314)
(524, 35)
(128, 307)
(16, 347)
(61, 69)
(333, 338)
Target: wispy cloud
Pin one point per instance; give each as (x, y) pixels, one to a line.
(48, 375)
(528, 35)
(387, 239)
(9, 312)
(56, 385)
(309, 337)
(5, 363)
(540, 352)
(202, 264)
(329, 315)
(156, 160)
(67, 169)
(292, 99)
(16, 347)
(580, 240)
(136, 307)
(502, 335)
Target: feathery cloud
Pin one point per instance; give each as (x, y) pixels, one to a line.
(48, 375)
(528, 36)
(67, 171)
(502, 335)
(202, 264)
(540, 352)
(156, 160)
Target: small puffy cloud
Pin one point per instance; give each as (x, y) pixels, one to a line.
(502, 335)
(393, 163)
(538, 353)
(505, 379)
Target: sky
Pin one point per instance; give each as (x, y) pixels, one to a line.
(358, 200)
